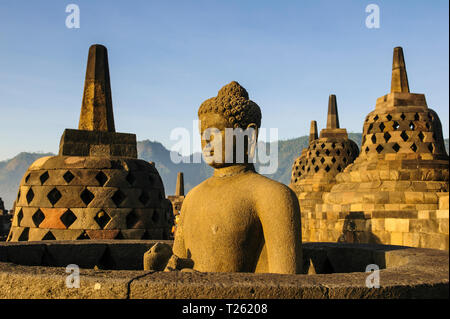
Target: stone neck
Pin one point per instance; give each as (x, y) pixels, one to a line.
(233, 170)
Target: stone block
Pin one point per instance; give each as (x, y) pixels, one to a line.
(396, 225)
(411, 239)
(443, 226)
(396, 238)
(442, 213)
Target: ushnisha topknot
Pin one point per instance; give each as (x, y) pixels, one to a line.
(232, 102)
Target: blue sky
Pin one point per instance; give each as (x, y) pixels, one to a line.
(167, 57)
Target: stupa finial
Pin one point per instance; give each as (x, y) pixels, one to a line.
(96, 110)
(332, 118)
(399, 82)
(179, 190)
(313, 134)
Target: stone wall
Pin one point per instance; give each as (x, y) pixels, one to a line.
(422, 228)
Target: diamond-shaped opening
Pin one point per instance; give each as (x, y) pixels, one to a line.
(317, 153)
(344, 159)
(30, 195)
(83, 236)
(68, 218)
(339, 168)
(316, 169)
(327, 152)
(389, 117)
(24, 235)
(144, 198)
(147, 236)
(313, 161)
(404, 136)
(421, 136)
(44, 177)
(130, 178)
(395, 125)
(387, 136)
(427, 126)
(430, 147)
(375, 118)
(396, 147)
(102, 219)
(367, 149)
(118, 197)
(49, 236)
(18, 195)
(303, 167)
(412, 126)
(314, 146)
(333, 145)
(338, 152)
(38, 217)
(87, 197)
(101, 178)
(19, 217)
(132, 219)
(416, 117)
(322, 160)
(414, 147)
(54, 196)
(333, 160)
(370, 128)
(403, 116)
(327, 168)
(382, 127)
(119, 235)
(348, 152)
(68, 176)
(322, 145)
(373, 139)
(155, 216)
(379, 149)
(27, 178)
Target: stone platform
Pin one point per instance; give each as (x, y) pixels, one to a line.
(37, 270)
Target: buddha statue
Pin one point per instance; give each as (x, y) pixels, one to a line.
(237, 220)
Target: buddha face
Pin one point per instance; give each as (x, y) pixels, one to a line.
(224, 146)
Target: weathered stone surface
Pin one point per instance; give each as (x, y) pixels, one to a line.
(157, 257)
(400, 176)
(314, 172)
(223, 218)
(404, 272)
(96, 188)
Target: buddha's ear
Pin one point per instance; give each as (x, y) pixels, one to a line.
(252, 140)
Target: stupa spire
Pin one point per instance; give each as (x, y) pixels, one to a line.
(96, 110)
(179, 190)
(313, 134)
(399, 82)
(332, 118)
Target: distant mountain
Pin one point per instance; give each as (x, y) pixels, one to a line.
(11, 171)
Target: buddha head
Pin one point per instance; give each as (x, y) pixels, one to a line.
(229, 126)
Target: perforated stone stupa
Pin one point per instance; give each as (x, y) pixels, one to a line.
(391, 193)
(314, 172)
(96, 188)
